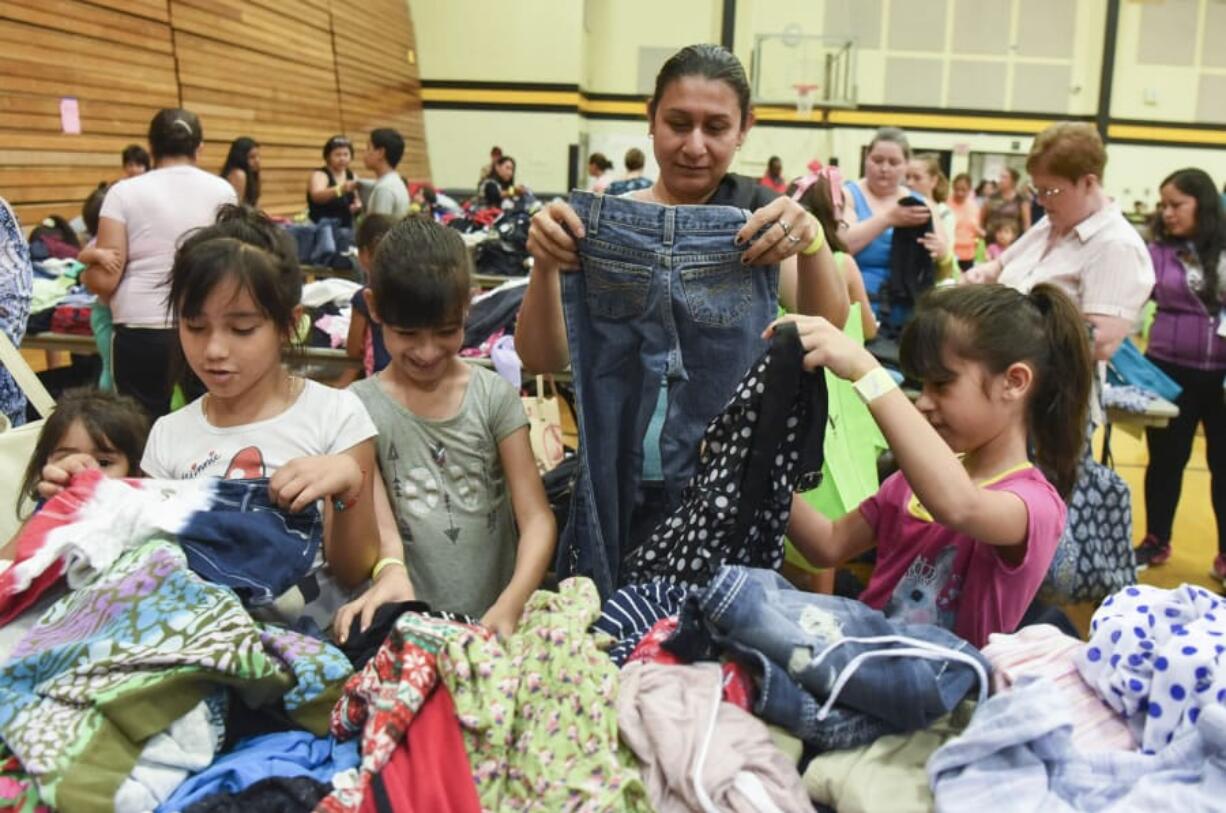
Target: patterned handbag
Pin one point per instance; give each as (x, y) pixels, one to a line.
(1094, 557)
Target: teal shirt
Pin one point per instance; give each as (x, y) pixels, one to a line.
(653, 466)
(104, 330)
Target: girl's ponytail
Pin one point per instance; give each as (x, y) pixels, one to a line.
(1059, 407)
(998, 326)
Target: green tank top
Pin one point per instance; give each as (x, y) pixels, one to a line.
(853, 443)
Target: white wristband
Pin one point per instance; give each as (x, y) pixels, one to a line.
(874, 385)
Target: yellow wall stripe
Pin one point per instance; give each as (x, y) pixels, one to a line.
(507, 97)
(623, 108)
(986, 123)
(1179, 135)
(936, 121)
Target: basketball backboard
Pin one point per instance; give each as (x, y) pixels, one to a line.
(792, 68)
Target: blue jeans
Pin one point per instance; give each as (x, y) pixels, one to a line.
(250, 545)
(321, 243)
(787, 635)
(662, 296)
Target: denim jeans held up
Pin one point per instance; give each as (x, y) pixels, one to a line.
(661, 297)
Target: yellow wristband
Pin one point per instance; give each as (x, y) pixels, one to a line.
(382, 564)
(818, 241)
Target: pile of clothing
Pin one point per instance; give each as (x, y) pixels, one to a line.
(1065, 735)
(59, 301)
(148, 665)
(787, 675)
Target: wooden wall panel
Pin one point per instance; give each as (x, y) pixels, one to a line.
(288, 73)
(243, 78)
(119, 65)
(377, 73)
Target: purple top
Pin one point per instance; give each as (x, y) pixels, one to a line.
(1184, 331)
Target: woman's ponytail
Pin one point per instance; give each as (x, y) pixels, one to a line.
(1059, 406)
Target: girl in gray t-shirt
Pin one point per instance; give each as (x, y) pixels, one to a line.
(465, 506)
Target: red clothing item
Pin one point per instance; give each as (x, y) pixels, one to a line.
(739, 689)
(429, 771)
(780, 185)
(929, 574)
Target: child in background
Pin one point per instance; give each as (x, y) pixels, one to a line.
(853, 442)
(100, 429)
(456, 475)
(1002, 237)
(135, 161)
(100, 314)
(235, 290)
(365, 340)
(927, 179)
(966, 229)
(966, 531)
(821, 193)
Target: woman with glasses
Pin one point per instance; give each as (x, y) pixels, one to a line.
(1084, 244)
(330, 191)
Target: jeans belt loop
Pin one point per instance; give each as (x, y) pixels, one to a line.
(670, 224)
(594, 215)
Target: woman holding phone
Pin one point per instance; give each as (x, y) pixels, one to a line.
(880, 203)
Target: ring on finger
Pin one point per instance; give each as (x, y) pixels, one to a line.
(793, 239)
(787, 229)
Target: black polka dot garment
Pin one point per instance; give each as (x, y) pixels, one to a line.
(764, 446)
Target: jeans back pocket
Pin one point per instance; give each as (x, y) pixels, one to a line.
(718, 294)
(616, 289)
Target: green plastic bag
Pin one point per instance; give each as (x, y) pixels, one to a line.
(853, 444)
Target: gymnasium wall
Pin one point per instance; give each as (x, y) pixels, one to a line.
(974, 76)
(289, 73)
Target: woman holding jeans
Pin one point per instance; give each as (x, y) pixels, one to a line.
(699, 116)
(1186, 342)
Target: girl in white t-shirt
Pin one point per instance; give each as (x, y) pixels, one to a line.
(234, 293)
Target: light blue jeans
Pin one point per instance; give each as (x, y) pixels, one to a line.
(834, 671)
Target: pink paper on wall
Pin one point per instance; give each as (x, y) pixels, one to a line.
(70, 115)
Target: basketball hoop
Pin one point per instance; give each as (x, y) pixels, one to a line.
(805, 98)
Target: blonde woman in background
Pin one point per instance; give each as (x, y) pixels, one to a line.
(925, 177)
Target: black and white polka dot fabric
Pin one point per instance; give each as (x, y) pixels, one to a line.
(765, 446)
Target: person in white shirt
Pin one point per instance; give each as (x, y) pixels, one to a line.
(1084, 244)
(388, 195)
(142, 221)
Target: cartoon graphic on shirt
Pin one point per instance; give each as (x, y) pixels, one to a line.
(421, 489)
(418, 491)
(926, 592)
(246, 464)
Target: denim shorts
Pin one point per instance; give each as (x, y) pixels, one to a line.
(247, 543)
